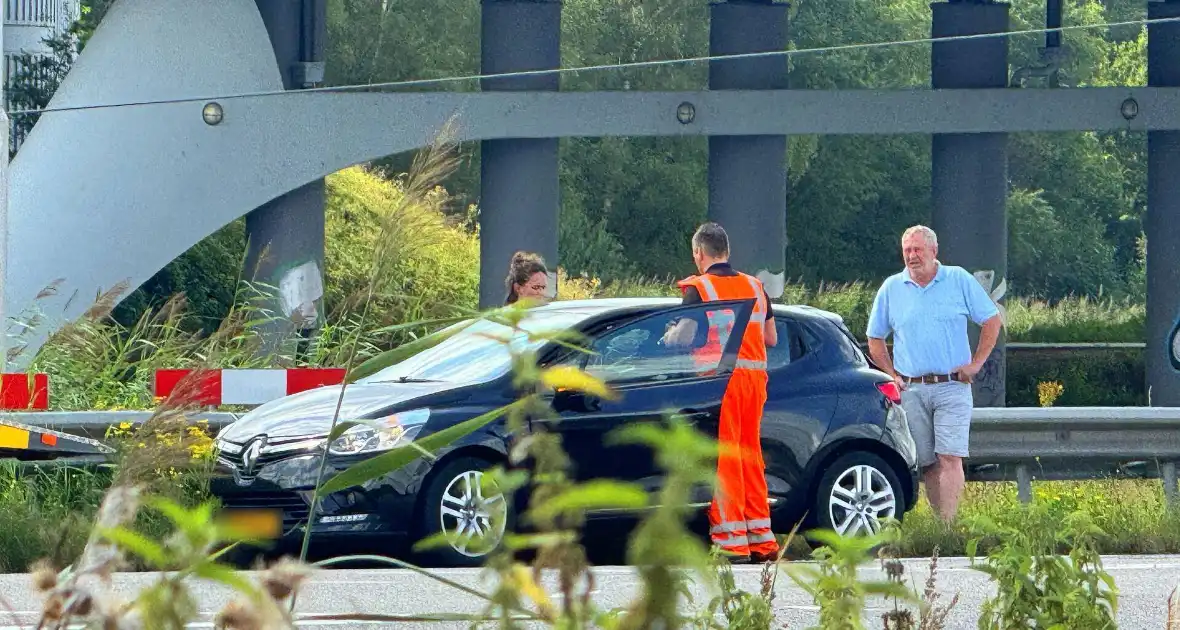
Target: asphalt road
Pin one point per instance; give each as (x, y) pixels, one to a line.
(1145, 583)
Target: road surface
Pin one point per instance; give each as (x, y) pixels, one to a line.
(1145, 583)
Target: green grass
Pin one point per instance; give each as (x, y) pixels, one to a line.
(1131, 512)
(46, 513)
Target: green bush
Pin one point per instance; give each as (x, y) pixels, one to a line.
(1091, 377)
(432, 263)
(1101, 378)
(1076, 320)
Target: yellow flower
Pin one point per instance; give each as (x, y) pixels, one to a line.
(1048, 392)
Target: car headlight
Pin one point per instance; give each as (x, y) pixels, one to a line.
(380, 434)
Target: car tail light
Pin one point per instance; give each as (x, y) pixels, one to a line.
(889, 388)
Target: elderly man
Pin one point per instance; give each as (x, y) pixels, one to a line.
(926, 307)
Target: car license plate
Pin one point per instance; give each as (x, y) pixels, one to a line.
(259, 524)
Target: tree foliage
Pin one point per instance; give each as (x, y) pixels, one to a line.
(629, 204)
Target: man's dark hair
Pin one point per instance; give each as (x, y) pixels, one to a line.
(711, 239)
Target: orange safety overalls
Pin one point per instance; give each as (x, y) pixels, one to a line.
(739, 517)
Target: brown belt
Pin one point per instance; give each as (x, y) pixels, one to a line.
(931, 379)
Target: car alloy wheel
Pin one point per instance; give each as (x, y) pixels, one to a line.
(472, 517)
(859, 499)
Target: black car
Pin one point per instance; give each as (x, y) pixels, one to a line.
(834, 435)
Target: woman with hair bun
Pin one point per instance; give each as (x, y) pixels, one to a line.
(527, 278)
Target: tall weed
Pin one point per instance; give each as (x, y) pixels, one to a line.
(835, 584)
(1039, 586)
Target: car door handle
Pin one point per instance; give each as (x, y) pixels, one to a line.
(694, 415)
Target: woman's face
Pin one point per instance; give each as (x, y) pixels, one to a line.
(534, 287)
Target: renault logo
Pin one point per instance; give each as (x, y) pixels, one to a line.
(250, 454)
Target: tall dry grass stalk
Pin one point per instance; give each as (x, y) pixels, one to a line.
(429, 168)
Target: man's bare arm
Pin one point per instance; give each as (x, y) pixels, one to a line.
(880, 355)
(989, 332)
(681, 333)
(770, 333)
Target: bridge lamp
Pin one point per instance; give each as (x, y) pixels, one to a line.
(685, 113)
(212, 113)
(1129, 109)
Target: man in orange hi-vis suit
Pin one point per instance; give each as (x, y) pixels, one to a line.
(739, 517)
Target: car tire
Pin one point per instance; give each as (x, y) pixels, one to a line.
(451, 502)
(856, 491)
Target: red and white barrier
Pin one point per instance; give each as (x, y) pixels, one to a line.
(248, 387)
(17, 393)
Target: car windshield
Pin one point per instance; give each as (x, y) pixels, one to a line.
(478, 352)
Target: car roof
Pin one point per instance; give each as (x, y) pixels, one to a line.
(600, 306)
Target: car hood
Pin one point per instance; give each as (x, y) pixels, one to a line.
(310, 413)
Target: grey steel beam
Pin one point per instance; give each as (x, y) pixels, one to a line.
(520, 189)
(402, 122)
(1162, 360)
(206, 176)
(747, 175)
(969, 172)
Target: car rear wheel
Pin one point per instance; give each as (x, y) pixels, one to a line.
(462, 503)
(857, 494)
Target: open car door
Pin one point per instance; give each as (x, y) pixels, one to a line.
(652, 377)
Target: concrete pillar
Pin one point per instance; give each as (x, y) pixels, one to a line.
(286, 235)
(1163, 209)
(969, 178)
(748, 174)
(520, 194)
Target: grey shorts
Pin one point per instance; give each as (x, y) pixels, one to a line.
(939, 415)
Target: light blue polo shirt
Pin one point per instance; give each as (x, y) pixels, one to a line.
(929, 324)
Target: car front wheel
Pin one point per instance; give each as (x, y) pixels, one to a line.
(857, 493)
(461, 503)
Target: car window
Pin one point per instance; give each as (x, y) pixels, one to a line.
(640, 351)
(479, 352)
(849, 347)
(791, 344)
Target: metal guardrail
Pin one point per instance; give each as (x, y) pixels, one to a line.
(1007, 443)
(94, 424)
(1100, 345)
(1074, 443)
